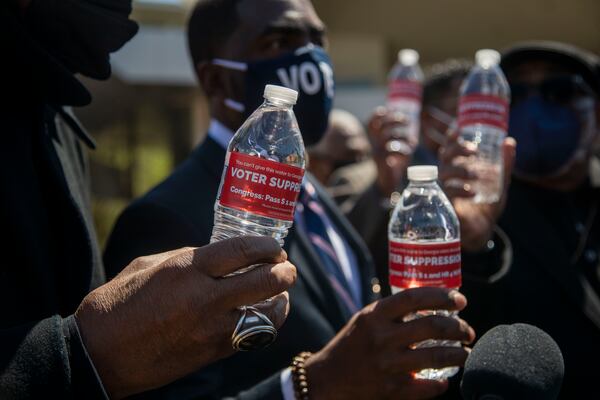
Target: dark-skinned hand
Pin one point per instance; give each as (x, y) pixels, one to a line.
(373, 356)
(392, 151)
(477, 220)
(166, 315)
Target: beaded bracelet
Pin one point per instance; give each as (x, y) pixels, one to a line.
(299, 375)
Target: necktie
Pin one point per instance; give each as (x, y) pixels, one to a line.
(313, 219)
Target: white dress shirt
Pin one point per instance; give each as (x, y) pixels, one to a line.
(220, 133)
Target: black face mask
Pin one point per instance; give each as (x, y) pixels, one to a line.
(81, 34)
(547, 136)
(552, 122)
(307, 70)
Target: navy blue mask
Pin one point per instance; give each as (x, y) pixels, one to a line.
(547, 135)
(307, 70)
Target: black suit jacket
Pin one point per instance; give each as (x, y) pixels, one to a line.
(179, 212)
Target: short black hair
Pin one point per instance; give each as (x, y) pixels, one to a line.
(210, 24)
(439, 78)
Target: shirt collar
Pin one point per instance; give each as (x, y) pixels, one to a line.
(223, 135)
(220, 133)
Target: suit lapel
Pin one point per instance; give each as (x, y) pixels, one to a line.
(298, 245)
(307, 260)
(212, 156)
(363, 256)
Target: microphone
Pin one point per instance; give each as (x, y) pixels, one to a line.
(513, 362)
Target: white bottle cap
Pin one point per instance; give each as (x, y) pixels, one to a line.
(274, 92)
(487, 57)
(408, 57)
(423, 173)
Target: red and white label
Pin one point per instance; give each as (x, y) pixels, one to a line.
(260, 186)
(483, 109)
(405, 89)
(424, 264)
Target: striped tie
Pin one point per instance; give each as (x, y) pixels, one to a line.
(312, 218)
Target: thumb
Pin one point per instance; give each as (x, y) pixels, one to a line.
(509, 149)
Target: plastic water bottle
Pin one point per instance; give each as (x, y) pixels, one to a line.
(424, 248)
(404, 96)
(263, 172)
(483, 122)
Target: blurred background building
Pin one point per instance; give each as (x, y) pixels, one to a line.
(149, 115)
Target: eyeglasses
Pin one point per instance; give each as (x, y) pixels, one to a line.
(559, 89)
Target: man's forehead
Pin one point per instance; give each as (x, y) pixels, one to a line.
(260, 15)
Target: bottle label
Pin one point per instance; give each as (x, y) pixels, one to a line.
(260, 186)
(401, 89)
(424, 264)
(483, 109)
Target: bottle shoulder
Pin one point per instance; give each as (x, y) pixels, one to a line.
(271, 133)
(486, 81)
(411, 73)
(424, 214)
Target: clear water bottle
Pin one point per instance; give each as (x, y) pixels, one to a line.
(483, 123)
(404, 96)
(263, 171)
(424, 248)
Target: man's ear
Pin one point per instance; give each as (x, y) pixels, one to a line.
(211, 78)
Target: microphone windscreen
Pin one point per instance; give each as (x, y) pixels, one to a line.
(516, 361)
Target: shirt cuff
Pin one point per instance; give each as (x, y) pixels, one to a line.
(287, 386)
(85, 381)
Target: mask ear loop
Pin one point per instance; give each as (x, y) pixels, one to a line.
(587, 106)
(436, 136)
(443, 117)
(234, 105)
(587, 137)
(583, 237)
(586, 114)
(236, 66)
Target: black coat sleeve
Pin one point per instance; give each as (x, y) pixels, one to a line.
(47, 359)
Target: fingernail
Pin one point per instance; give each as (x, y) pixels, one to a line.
(470, 146)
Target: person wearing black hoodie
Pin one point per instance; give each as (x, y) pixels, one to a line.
(64, 332)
